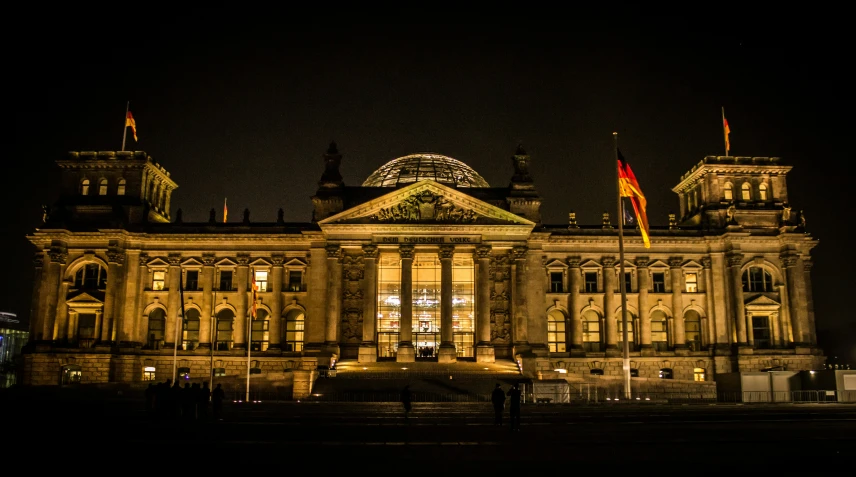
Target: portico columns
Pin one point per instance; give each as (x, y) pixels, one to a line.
(406, 351)
(609, 317)
(334, 298)
(576, 327)
(645, 348)
(173, 302)
(677, 302)
(205, 321)
(734, 263)
(276, 302)
(241, 321)
(484, 349)
(447, 352)
(520, 314)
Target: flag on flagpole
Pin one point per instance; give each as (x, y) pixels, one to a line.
(629, 187)
(726, 130)
(129, 121)
(225, 211)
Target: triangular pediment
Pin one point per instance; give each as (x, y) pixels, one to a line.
(658, 264)
(425, 203)
(295, 263)
(556, 263)
(590, 264)
(83, 299)
(157, 262)
(191, 262)
(260, 262)
(226, 263)
(692, 264)
(762, 301)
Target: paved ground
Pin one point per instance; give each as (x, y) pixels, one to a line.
(117, 430)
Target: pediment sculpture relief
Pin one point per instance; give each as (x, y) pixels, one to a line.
(425, 206)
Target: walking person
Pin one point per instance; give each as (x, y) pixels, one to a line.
(497, 397)
(514, 407)
(406, 400)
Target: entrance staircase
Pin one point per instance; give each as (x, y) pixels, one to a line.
(462, 381)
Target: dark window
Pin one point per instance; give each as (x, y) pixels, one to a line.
(91, 276)
(295, 280)
(666, 373)
(184, 374)
(192, 282)
(86, 329)
(596, 371)
(627, 282)
(692, 332)
(155, 334)
(226, 280)
(219, 372)
(761, 331)
(659, 282)
(223, 339)
(591, 282)
(634, 373)
(556, 282)
(190, 340)
(756, 279)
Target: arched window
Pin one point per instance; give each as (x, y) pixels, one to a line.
(762, 192)
(190, 336)
(556, 331)
(596, 372)
(261, 325)
(746, 191)
(102, 187)
(698, 374)
(727, 192)
(631, 339)
(692, 330)
(121, 189)
(659, 331)
(294, 330)
(91, 276)
(757, 279)
(84, 187)
(223, 337)
(157, 325)
(591, 331)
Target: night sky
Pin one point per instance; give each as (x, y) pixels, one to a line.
(245, 111)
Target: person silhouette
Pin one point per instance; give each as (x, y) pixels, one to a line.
(406, 400)
(514, 407)
(497, 398)
(217, 397)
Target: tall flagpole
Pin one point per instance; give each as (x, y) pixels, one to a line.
(724, 132)
(125, 123)
(621, 281)
(178, 329)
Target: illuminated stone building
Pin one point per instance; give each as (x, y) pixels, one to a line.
(424, 261)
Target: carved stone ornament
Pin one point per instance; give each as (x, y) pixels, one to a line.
(574, 262)
(144, 259)
(425, 206)
(116, 257)
(370, 251)
(735, 260)
(352, 325)
(447, 252)
(675, 262)
(608, 262)
(353, 267)
(243, 260)
(483, 251)
(208, 259)
(406, 251)
(706, 262)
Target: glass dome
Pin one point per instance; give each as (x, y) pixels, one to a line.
(423, 166)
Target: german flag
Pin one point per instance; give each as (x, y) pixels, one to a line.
(129, 121)
(629, 187)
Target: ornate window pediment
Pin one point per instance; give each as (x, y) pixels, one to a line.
(691, 265)
(556, 265)
(260, 263)
(191, 263)
(590, 265)
(226, 263)
(295, 263)
(658, 265)
(157, 263)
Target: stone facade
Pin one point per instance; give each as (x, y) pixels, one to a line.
(119, 287)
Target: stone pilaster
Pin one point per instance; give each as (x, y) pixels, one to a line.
(206, 320)
(128, 332)
(50, 293)
(368, 345)
(406, 351)
(645, 346)
(793, 279)
(115, 261)
(676, 273)
(173, 306)
(241, 303)
(275, 335)
(809, 302)
(335, 257)
(446, 352)
(735, 261)
(576, 328)
(38, 276)
(609, 318)
(520, 310)
(484, 349)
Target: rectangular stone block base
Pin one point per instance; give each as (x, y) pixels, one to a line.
(368, 354)
(485, 354)
(447, 354)
(406, 353)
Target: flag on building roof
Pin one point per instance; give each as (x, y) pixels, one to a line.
(629, 187)
(129, 121)
(726, 130)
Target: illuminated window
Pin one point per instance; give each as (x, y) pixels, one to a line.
(698, 374)
(294, 331)
(190, 335)
(727, 192)
(121, 189)
(591, 331)
(159, 280)
(659, 282)
(757, 279)
(183, 374)
(102, 187)
(225, 280)
(295, 280)
(691, 279)
(71, 374)
(556, 282)
(219, 372)
(148, 373)
(84, 187)
(692, 330)
(666, 373)
(631, 338)
(261, 281)
(659, 331)
(223, 338)
(591, 282)
(745, 191)
(762, 192)
(261, 331)
(155, 332)
(556, 332)
(463, 304)
(389, 304)
(761, 331)
(191, 280)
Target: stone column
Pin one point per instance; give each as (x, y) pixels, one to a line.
(799, 320)
(706, 286)
(50, 293)
(484, 349)
(735, 261)
(173, 306)
(609, 317)
(368, 345)
(645, 346)
(276, 278)
(406, 351)
(520, 313)
(60, 332)
(115, 259)
(205, 321)
(678, 303)
(447, 352)
(128, 332)
(576, 328)
(141, 323)
(36, 299)
(334, 297)
(241, 303)
(809, 302)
